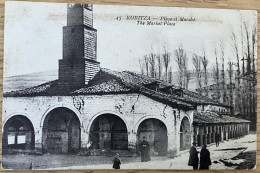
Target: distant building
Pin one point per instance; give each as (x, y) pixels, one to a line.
(222, 93)
(112, 110)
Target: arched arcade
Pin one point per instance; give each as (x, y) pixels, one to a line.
(61, 131)
(18, 134)
(155, 132)
(108, 131)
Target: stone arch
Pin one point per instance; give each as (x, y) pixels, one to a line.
(14, 114)
(108, 131)
(154, 131)
(179, 126)
(61, 131)
(106, 112)
(60, 105)
(185, 134)
(149, 117)
(18, 133)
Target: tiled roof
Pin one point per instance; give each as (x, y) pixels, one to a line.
(110, 82)
(104, 87)
(42, 89)
(212, 118)
(101, 84)
(188, 96)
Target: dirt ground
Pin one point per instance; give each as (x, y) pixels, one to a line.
(233, 154)
(22, 161)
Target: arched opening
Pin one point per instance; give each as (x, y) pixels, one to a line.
(108, 131)
(185, 134)
(18, 134)
(61, 131)
(155, 132)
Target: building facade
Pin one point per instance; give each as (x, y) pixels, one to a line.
(108, 110)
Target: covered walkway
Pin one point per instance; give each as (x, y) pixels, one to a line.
(207, 125)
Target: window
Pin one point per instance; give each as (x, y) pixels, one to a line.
(178, 92)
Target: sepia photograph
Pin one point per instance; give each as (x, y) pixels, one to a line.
(90, 87)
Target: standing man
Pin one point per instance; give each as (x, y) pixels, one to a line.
(205, 160)
(116, 162)
(194, 159)
(217, 139)
(144, 150)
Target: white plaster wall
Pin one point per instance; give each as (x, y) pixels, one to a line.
(132, 108)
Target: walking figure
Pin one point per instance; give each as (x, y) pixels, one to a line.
(116, 162)
(194, 159)
(205, 160)
(144, 150)
(217, 139)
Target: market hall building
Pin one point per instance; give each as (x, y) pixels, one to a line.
(108, 109)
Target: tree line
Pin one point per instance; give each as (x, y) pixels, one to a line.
(235, 81)
(159, 66)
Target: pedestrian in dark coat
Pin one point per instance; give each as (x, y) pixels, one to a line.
(205, 160)
(217, 139)
(144, 148)
(194, 159)
(116, 162)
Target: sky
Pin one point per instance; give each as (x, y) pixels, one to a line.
(33, 35)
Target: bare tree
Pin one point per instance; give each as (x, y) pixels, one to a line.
(246, 90)
(216, 68)
(141, 64)
(182, 63)
(186, 73)
(178, 59)
(254, 74)
(222, 56)
(254, 45)
(146, 64)
(188, 78)
(151, 60)
(196, 60)
(234, 43)
(246, 29)
(230, 88)
(166, 61)
(170, 75)
(242, 89)
(205, 63)
(242, 50)
(159, 66)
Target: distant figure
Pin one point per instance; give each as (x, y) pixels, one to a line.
(116, 162)
(194, 159)
(205, 160)
(144, 150)
(217, 139)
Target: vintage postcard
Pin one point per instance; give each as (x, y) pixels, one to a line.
(128, 87)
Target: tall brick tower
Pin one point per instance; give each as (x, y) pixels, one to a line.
(79, 64)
